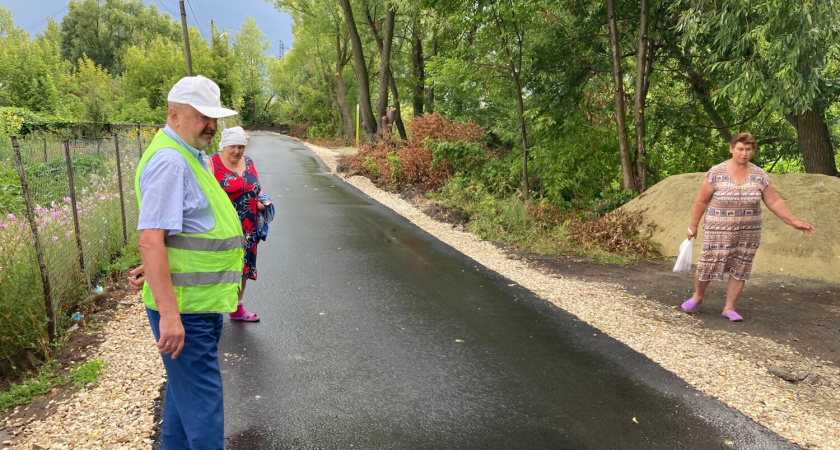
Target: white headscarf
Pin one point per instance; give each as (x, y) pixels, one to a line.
(232, 136)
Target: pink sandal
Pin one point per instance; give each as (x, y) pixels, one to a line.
(689, 305)
(732, 316)
(245, 316)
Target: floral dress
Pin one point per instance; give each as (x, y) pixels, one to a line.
(244, 192)
(732, 230)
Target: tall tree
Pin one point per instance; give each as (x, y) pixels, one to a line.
(323, 20)
(628, 176)
(249, 48)
(418, 67)
(103, 29)
(369, 122)
(32, 74)
(775, 56)
(386, 76)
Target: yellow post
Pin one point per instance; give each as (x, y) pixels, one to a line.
(357, 124)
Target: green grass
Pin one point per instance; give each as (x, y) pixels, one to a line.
(87, 374)
(25, 392)
(511, 221)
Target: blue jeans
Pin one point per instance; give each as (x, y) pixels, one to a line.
(193, 411)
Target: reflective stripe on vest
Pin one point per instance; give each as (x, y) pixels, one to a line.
(200, 278)
(205, 268)
(183, 242)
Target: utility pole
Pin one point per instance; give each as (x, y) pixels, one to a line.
(186, 39)
(212, 34)
(282, 48)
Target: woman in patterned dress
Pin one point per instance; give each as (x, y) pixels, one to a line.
(237, 175)
(730, 197)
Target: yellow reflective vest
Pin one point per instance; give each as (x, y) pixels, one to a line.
(206, 268)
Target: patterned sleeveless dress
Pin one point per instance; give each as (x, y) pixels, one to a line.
(244, 192)
(732, 229)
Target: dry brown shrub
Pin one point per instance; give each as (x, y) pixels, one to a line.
(617, 232)
(416, 155)
(299, 130)
(372, 154)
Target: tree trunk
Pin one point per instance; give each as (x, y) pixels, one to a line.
(523, 130)
(397, 113)
(341, 89)
(385, 67)
(643, 59)
(627, 177)
(419, 69)
(346, 117)
(815, 142)
(701, 89)
(368, 120)
(430, 91)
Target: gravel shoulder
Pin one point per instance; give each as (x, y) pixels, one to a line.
(725, 362)
(117, 413)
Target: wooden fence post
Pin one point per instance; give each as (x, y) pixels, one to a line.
(33, 225)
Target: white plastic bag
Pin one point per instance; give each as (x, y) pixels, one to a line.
(684, 260)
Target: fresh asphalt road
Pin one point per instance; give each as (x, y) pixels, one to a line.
(375, 335)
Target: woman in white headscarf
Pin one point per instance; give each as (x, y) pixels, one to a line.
(237, 175)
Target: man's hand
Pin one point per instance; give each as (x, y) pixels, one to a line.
(171, 335)
(137, 277)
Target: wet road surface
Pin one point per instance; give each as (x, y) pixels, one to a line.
(375, 335)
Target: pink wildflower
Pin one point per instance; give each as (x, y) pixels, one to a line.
(54, 239)
(11, 218)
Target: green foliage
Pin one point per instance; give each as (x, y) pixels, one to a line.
(101, 31)
(322, 131)
(774, 55)
(249, 49)
(393, 160)
(372, 167)
(11, 195)
(23, 393)
(128, 258)
(87, 374)
(539, 226)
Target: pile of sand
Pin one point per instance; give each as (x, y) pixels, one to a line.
(812, 198)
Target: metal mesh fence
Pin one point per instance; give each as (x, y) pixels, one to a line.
(67, 207)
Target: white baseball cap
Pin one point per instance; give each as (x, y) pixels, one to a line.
(232, 136)
(202, 94)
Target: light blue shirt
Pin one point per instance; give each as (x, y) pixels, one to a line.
(170, 196)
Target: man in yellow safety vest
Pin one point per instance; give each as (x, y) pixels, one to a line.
(192, 251)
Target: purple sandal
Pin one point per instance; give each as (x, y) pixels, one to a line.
(689, 305)
(732, 316)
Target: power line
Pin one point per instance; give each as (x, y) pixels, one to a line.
(195, 18)
(167, 8)
(201, 11)
(46, 19)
